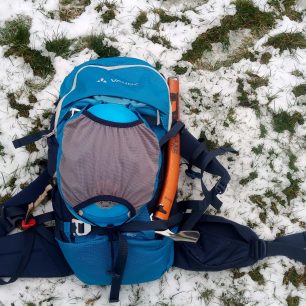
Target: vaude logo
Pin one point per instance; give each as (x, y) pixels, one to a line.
(102, 80)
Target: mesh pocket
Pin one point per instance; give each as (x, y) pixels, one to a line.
(91, 259)
(105, 158)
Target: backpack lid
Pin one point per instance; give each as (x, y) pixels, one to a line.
(121, 77)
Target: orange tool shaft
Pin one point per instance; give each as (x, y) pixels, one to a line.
(169, 190)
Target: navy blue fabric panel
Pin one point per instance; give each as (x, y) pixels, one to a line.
(31, 192)
(46, 258)
(223, 244)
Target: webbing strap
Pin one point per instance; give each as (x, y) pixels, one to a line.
(210, 196)
(293, 246)
(29, 238)
(23, 141)
(175, 129)
(118, 269)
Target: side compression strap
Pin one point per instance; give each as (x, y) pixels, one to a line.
(20, 142)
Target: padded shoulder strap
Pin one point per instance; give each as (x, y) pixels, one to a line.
(196, 153)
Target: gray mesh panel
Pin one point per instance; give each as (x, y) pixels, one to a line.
(102, 160)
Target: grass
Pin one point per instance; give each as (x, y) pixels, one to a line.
(258, 150)
(263, 131)
(256, 276)
(252, 176)
(256, 81)
(32, 98)
(60, 45)
(287, 41)
(265, 58)
(207, 295)
(292, 161)
(293, 190)
(71, 9)
(166, 18)
(2, 152)
(285, 122)
(247, 16)
(180, 70)
(158, 39)
(108, 16)
(293, 300)
(284, 7)
(98, 44)
(16, 32)
(23, 109)
(140, 20)
(299, 90)
(293, 277)
(258, 200)
(230, 118)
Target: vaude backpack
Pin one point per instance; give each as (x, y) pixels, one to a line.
(113, 161)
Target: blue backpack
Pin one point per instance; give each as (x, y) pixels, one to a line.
(106, 167)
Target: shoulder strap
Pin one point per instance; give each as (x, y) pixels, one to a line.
(196, 153)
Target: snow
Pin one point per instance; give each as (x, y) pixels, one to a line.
(176, 287)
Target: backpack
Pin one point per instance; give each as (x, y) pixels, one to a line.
(107, 166)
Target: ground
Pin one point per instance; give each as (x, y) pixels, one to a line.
(242, 68)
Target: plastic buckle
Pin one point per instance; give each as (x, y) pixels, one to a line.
(80, 228)
(26, 224)
(13, 221)
(219, 187)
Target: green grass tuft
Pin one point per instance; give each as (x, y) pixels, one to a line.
(256, 81)
(287, 41)
(258, 150)
(283, 121)
(299, 90)
(293, 190)
(293, 277)
(2, 152)
(140, 20)
(16, 32)
(59, 45)
(180, 70)
(292, 161)
(293, 300)
(265, 58)
(32, 98)
(158, 39)
(108, 16)
(256, 276)
(98, 44)
(23, 109)
(263, 131)
(166, 18)
(247, 16)
(252, 176)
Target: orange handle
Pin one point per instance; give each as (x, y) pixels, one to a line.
(173, 159)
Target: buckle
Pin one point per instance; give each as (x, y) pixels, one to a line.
(9, 223)
(26, 224)
(219, 187)
(80, 228)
